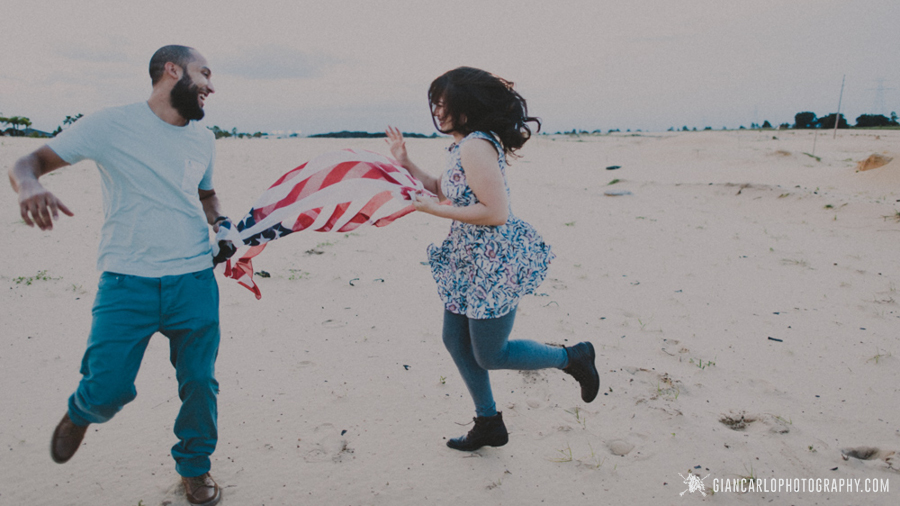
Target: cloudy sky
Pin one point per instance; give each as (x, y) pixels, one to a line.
(319, 66)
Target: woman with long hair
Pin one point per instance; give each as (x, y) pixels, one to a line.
(491, 258)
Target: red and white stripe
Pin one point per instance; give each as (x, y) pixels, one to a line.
(338, 191)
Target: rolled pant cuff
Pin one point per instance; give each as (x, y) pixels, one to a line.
(193, 467)
(75, 414)
(77, 420)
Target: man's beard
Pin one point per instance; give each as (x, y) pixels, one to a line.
(185, 98)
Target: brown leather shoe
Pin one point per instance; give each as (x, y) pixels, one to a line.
(202, 490)
(66, 440)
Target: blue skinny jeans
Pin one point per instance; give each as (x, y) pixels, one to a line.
(478, 346)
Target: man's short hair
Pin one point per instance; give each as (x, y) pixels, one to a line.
(179, 55)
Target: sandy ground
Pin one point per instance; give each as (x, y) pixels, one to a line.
(742, 298)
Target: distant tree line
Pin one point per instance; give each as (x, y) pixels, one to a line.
(19, 126)
(801, 120)
(69, 121)
(219, 133)
(27, 131)
(809, 120)
(16, 122)
(344, 134)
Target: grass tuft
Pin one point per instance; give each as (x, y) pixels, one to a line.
(566, 455)
(28, 280)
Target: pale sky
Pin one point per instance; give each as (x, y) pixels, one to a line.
(319, 66)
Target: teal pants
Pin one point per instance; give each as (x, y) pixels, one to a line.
(478, 346)
(127, 311)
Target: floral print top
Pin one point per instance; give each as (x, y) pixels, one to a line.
(482, 271)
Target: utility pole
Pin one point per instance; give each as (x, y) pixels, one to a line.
(878, 106)
(837, 118)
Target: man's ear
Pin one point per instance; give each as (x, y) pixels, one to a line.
(173, 70)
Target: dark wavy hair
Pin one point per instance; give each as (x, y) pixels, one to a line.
(478, 101)
(179, 55)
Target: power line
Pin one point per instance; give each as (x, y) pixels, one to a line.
(878, 107)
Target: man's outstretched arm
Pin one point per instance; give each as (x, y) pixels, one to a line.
(36, 204)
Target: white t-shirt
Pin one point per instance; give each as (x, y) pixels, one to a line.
(154, 224)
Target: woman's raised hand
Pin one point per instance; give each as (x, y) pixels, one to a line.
(397, 145)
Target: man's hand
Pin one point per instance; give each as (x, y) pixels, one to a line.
(40, 207)
(227, 241)
(36, 204)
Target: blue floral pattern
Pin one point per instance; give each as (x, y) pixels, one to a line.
(482, 271)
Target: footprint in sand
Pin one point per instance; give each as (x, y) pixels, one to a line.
(661, 386)
(532, 377)
(741, 421)
(671, 347)
(534, 403)
(619, 447)
(870, 453)
(330, 446)
(738, 421)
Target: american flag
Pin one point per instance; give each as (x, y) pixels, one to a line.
(338, 191)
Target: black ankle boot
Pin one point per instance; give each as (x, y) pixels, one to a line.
(488, 431)
(581, 366)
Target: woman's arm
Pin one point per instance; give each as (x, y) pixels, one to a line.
(398, 148)
(479, 159)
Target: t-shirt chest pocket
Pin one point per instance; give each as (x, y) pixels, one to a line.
(193, 174)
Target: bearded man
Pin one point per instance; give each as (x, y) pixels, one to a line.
(156, 167)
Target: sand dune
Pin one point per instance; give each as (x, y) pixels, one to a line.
(743, 300)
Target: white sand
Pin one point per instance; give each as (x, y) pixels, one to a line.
(727, 239)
